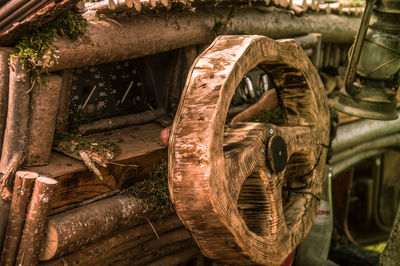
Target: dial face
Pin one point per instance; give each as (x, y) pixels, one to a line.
(89, 92)
(127, 87)
(111, 89)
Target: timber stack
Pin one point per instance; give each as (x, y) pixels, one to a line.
(96, 191)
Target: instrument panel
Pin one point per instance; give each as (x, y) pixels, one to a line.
(113, 89)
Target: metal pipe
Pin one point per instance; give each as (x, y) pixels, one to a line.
(350, 135)
(10, 7)
(386, 142)
(339, 167)
(21, 13)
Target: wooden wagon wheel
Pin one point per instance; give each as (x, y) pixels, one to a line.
(249, 193)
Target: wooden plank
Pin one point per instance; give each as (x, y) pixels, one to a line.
(139, 146)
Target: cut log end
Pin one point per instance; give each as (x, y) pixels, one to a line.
(46, 180)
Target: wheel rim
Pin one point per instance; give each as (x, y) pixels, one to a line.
(217, 178)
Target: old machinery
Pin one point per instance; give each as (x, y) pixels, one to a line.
(371, 78)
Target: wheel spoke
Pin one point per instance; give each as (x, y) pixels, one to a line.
(244, 153)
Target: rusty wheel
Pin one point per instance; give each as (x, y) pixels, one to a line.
(249, 193)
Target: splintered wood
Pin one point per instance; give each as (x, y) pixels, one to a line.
(255, 205)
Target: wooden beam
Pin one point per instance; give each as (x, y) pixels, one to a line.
(144, 35)
(139, 146)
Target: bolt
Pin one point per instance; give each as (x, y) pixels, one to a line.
(45, 199)
(20, 191)
(269, 175)
(262, 150)
(271, 131)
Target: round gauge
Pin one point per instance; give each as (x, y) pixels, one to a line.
(127, 88)
(89, 92)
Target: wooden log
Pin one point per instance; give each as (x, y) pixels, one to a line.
(65, 98)
(4, 211)
(42, 120)
(71, 230)
(15, 136)
(120, 121)
(23, 186)
(168, 244)
(267, 102)
(176, 258)
(143, 35)
(125, 239)
(36, 221)
(4, 84)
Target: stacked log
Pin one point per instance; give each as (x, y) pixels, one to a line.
(23, 187)
(42, 120)
(68, 231)
(36, 221)
(138, 245)
(15, 136)
(126, 237)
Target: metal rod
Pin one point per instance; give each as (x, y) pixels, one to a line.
(21, 13)
(386, 142)
(10, 7)
(358, 45)
(350, 135)
(339, 167)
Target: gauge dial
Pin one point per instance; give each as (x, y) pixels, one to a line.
(89, 92)
(127, 88)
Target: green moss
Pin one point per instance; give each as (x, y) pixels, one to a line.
(72, 144)
(154, 190)
(34, 49)
(275, 117)
(219, 26)
(377, 247)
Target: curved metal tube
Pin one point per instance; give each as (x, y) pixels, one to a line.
(339, 167)
(350, 135)
(385, 142)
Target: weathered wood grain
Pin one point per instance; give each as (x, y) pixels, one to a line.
(249, 213)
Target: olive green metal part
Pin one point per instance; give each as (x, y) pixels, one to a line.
(367, 109)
